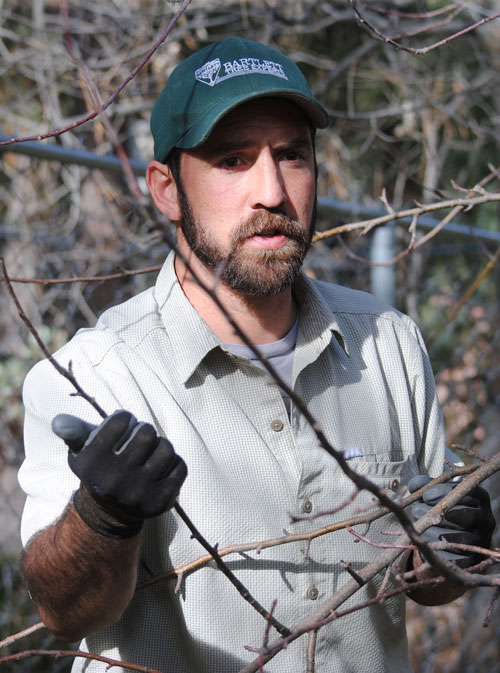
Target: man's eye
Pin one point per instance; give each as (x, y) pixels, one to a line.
(293, 155)
(230, 162)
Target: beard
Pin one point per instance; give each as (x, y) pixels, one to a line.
(251, 271)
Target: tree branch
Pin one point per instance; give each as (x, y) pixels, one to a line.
(67, 373)
(57, 654)
(368, 225)
(433, 517)
(378, 35)
(116, 92)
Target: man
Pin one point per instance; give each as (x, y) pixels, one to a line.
(235, 169)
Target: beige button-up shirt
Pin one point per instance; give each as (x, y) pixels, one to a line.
(363, 372)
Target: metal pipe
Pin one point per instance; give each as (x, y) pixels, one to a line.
(111, 163)
(67, 155)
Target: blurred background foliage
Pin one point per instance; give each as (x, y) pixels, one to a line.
(418, 127)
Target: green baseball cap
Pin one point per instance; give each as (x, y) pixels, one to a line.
(218, 78)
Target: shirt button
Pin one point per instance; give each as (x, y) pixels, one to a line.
(394, 485)
(277, 425)
(312, 593)
(307, 507)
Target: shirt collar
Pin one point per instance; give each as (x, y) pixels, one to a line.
(191, 339)
(317, 320)
(189, 336)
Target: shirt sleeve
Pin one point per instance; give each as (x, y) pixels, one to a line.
(430, 419)
(44, 475)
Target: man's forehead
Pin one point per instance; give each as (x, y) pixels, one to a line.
(279, 116)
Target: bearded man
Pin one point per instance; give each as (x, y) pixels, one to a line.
(235, 170)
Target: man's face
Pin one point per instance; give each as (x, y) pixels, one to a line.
(247, 197)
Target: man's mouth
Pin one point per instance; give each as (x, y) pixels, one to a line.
(269, 239)
(269, 233)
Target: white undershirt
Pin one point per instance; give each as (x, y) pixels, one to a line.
(279, 354)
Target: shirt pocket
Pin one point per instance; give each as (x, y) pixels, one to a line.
(389, 476)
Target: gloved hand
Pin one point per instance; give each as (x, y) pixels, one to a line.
(469, 522)
(127, 472)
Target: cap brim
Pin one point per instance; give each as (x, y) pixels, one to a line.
(200, 131)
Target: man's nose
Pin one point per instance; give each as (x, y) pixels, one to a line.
(267, 186)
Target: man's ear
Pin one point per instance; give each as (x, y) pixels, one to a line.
(163, 189)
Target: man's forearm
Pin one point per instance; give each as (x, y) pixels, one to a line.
(82, 581)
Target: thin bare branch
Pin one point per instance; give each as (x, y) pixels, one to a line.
(489, 614)
(368, 225)
(380, 545)
(469, 452)
(415, 15)
(66, 372)
(377, 34)
(21, 634)
(288, 538)
(116, 92)
(123, 273)
(324, 614)
(57, 654)
(98, 105)
(311, 652)
(460, 304)
(230, 575)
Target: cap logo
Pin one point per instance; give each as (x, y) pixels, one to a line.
(209, 73)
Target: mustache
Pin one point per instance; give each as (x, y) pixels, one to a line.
(263, 222)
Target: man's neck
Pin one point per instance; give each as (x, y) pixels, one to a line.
(262, 319)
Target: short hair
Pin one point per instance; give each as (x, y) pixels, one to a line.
(173, 161)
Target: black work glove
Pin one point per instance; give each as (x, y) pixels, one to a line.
(127, 472)
(471, 521)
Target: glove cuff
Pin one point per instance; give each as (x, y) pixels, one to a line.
(102, 519)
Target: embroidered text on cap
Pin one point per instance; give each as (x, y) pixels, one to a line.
(208, 73)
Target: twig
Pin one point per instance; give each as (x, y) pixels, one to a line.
(380, 545)
(123, 273)
(367, 225)
(267, 631)
(489, 614)
(444, 545)
(337, 614)
(57, 654)
(326, 512)
(460, 304)
(289, 538)
(469, 452)
(311, 651)
(375, 32)
(412, 246)
(69, 376)
(414, 15)
(116, 92)
(322, 615)
(439, 545)
(67, 373)
(348, 568)
(230, 576)
(21, 634)
(96, 100)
